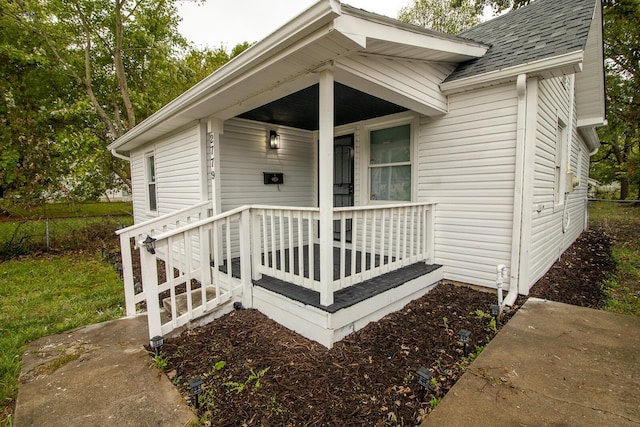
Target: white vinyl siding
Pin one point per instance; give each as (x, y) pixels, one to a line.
(245, 155)
(547, 239)
(178, 174)
(409, 81)
(466, 164)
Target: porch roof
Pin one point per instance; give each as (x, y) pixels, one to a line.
(289, 60)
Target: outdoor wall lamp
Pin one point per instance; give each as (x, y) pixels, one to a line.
(195, 384)
(156, 342)
(150, 244)
(274, 140)
(464, 339)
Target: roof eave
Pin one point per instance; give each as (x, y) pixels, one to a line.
(587, 129)
(320, 14)
(569, 63)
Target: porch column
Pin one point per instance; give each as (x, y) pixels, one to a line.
(325, 179)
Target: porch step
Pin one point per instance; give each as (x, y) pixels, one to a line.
(351, 295)
(196, 300)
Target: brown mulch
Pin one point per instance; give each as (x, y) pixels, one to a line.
(257, 372)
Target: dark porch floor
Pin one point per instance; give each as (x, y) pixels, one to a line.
(235, 262)
(351, 295)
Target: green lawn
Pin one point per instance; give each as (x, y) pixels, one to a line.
(44, 295)
(622, 223)
(53, 210)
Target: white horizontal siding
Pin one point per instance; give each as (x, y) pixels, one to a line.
(418, 81)
(178, 173)
(466, 163)
(547, 239)
(245, 156)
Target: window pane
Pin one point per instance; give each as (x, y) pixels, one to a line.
(151, 168)
(391, 183)
(391, 145)
(152, 197)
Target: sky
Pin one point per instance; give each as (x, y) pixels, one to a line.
(229, 22)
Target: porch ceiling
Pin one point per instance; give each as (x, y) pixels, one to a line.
(301, 109)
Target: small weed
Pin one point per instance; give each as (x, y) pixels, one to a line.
(160, 360)
(253, 377)
(219, 365)
(433, 402)
(408, 378)
(491, 321)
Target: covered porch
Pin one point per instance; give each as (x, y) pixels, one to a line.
(269, 258)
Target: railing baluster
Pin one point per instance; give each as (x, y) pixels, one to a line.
(384, 265)
(354, 246)
(291, 247)
(281, 244)
(311, 261)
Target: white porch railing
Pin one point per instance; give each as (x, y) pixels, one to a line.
(207, 262)
(193, 284)
(135, 293)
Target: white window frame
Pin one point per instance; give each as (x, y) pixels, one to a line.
(413, 122)
(148, 182)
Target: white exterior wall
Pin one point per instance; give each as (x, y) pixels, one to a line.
(547, 239)
(178, 173)
(245, 156)
(466, 164)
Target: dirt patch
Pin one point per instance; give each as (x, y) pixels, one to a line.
(257, 372)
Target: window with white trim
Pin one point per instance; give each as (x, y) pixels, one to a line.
(560, 160)
(151, 182)
(390, 163)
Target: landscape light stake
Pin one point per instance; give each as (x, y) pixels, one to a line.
(195, 384)
(495, 312)
(464, 339)
(156, 343)
(424, 379)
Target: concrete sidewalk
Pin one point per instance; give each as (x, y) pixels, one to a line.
(98, 375)
(553, 364)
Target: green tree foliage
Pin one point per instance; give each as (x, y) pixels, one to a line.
(619, 157)
(76, 75)
(441, 15)
(453, 16)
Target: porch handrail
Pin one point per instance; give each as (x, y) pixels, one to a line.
(151, 226)
(132, 229)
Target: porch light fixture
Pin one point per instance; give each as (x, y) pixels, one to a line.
(464, 339)
(156, 342)
(195, 384)
(150, 244)
(274, 140)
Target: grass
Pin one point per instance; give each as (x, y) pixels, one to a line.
(56, 210)
(45, 295)
(622, 223)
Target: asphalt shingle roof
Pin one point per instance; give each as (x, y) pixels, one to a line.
(543, 29)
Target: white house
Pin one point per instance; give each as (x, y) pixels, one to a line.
(348, 162)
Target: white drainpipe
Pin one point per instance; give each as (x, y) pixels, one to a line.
(501, 273)
(120, 156)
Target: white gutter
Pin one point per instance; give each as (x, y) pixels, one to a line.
(321, 13)
(117, 155)
(569, 63)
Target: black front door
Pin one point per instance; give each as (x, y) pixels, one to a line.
(343, 155)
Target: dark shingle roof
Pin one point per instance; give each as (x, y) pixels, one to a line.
(543, 29)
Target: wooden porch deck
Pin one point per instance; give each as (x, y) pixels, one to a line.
(351, 295)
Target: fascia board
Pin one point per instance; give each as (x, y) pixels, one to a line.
(362, 28)
(569, 63)
(320, 14)
(590, 136)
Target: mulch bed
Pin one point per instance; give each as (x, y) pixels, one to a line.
(257, 372)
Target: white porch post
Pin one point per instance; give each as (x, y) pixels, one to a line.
(325, 177)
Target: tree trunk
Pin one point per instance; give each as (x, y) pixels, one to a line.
(624, 188)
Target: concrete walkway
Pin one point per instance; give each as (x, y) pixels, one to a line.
(98, 375)
(552, 365)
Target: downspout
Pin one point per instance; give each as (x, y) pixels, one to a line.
(521, 88)
(120, 156)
